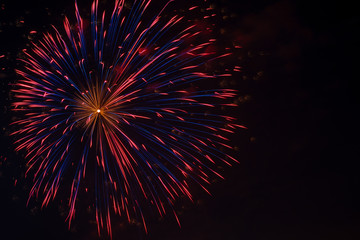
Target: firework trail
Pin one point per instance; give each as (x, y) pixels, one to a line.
(115, 94)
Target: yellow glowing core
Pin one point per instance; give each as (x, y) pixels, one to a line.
(98, 110)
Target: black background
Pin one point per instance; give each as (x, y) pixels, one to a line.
(298, 177)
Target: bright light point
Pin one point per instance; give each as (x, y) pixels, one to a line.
(98, 110)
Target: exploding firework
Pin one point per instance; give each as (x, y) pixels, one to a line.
(115, 95)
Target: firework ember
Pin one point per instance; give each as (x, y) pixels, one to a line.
(111, 102)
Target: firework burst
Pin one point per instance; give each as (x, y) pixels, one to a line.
(115, 95)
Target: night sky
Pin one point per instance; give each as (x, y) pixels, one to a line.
(299, 172)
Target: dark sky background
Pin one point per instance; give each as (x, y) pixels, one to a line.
(299, 172)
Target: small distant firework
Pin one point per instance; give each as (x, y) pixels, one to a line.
(116, 93)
